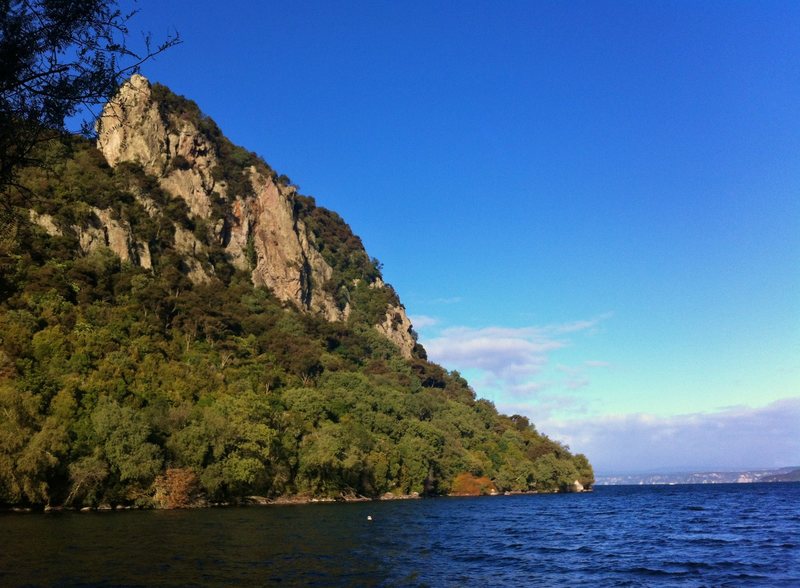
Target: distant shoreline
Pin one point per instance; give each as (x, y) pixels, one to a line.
(784, 474)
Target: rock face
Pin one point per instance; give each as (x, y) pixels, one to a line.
(285, 260)
(133, 129)
(262, 231)
(396, 327)
(104, 231)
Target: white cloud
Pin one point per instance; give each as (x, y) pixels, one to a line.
(509, 358)
(577, 383)
(577, 325)
(730, 438)
(420, 321)
(514, 367)
(507, 354)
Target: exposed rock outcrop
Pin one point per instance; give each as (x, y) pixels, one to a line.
(285, 260)
(104, 230)
(46, 222)
(117, 236)
(133, 129)
(261, 229)
(188, 244)
(396, 327)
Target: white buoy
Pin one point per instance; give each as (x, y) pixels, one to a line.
(369, 517)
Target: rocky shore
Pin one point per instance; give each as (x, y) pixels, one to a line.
(265, 501)
(247, 501)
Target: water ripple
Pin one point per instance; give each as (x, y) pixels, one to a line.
(625, 536)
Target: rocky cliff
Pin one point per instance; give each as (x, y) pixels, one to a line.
(262, 224)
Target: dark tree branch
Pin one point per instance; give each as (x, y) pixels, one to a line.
(56, 58)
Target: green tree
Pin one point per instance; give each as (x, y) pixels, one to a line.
(123, 433)
(585, 470)
(238, 440)
(58, 56)
(32, 443)
(87, 476)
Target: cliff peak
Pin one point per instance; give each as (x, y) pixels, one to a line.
(257, 217)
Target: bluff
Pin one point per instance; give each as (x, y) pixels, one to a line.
(259, 220)
(178, 325)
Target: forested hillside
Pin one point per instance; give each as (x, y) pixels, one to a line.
(164, 345)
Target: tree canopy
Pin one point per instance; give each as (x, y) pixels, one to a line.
(127, 386)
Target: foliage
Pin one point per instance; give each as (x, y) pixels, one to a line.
(176, 488)
(125, 386)
(470, 485)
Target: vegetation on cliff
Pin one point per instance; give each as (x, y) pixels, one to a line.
(130, 385)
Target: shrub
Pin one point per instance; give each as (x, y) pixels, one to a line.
(176, 488)
(466, 484)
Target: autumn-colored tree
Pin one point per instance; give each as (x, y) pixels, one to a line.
(176, 488)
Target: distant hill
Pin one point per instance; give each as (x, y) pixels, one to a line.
(179, 325)
(790, 474)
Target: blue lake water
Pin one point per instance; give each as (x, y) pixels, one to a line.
(713, 535)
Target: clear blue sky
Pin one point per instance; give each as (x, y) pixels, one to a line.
(591, 208)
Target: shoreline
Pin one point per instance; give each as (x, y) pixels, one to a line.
(249, 501)
(244, 502)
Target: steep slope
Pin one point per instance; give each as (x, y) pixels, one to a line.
(261, 222)
(178, 326)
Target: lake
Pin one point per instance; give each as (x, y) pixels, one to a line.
(704, 535)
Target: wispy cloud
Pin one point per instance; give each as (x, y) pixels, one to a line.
(731, 438)
(420, 321)
(594, 363)
(508, 359)
(581, 325)
(517, 368)
(507, 354)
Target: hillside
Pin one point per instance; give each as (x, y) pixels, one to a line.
(178, 325)
(783, 475)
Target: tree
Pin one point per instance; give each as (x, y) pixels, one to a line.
(123, 433)
(57, 56)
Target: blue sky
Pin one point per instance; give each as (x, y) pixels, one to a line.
(590, 209)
